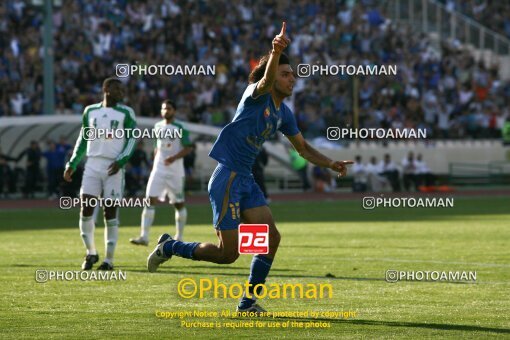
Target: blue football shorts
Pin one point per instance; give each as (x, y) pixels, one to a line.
(231, 193)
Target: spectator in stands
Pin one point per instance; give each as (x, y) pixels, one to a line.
(64, 148)
(300, 165)
(360, 175)
(55, 165)
(389, 170)
(32, 170)
(323, 181)
(189, 166)
(423, 173)
(258, 170)
(138, 169)
(376, 182)
(409, 171)
(356, 32)
(6, 175)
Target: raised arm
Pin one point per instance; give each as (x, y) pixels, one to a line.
(280, 42)
(309, 153)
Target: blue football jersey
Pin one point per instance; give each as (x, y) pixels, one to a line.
(255, 121)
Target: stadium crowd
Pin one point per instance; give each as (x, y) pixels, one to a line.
(444, 91)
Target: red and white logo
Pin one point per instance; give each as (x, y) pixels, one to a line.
(253, 238)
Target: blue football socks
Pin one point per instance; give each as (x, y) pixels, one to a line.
(260, 266)
(179, 248)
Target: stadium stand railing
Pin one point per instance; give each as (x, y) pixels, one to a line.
(430, 16)
(493, 173)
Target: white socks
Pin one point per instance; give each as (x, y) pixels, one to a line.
(180, 221)
(87, 234)
(111, 234)
(147, 219)
(148, 213)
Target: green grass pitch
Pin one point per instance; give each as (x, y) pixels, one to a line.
(338, 238)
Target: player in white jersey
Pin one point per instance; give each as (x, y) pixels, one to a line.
(167, 175)
(104, 173)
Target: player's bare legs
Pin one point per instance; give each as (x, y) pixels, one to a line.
(225, 252)
(86, 210)
(263, 215)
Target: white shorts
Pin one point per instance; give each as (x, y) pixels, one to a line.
(163, 184)
(96, 181)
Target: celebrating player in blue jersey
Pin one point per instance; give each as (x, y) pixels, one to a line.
(233, 192)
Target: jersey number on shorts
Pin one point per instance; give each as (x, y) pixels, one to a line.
(236, 213)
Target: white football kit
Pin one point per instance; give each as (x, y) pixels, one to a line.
(104, 150)
(168, 180)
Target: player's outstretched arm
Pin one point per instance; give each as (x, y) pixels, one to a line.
(280, 42)
(309, 153)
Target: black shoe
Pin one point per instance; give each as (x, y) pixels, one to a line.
(89, 261)
(105, 266)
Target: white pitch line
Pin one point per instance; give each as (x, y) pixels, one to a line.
(438, 262)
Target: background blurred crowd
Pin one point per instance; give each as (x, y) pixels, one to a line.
(444, 91)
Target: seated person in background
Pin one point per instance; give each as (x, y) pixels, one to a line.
(359, 171)
(189, 167)
(300, 165)
(322, 180)
(137, 170)
(389, 170)
(423, 174)
(258, 170)
(6, 175)
(409, 170)
(375, 181)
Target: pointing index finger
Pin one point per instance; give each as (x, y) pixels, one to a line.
(284, 27)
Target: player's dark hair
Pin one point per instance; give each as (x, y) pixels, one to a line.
(108, 81)
(169, 102)
(258, 72)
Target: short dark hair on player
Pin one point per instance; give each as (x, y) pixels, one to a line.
(169, 102)
(258, 72)
(108, 81)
